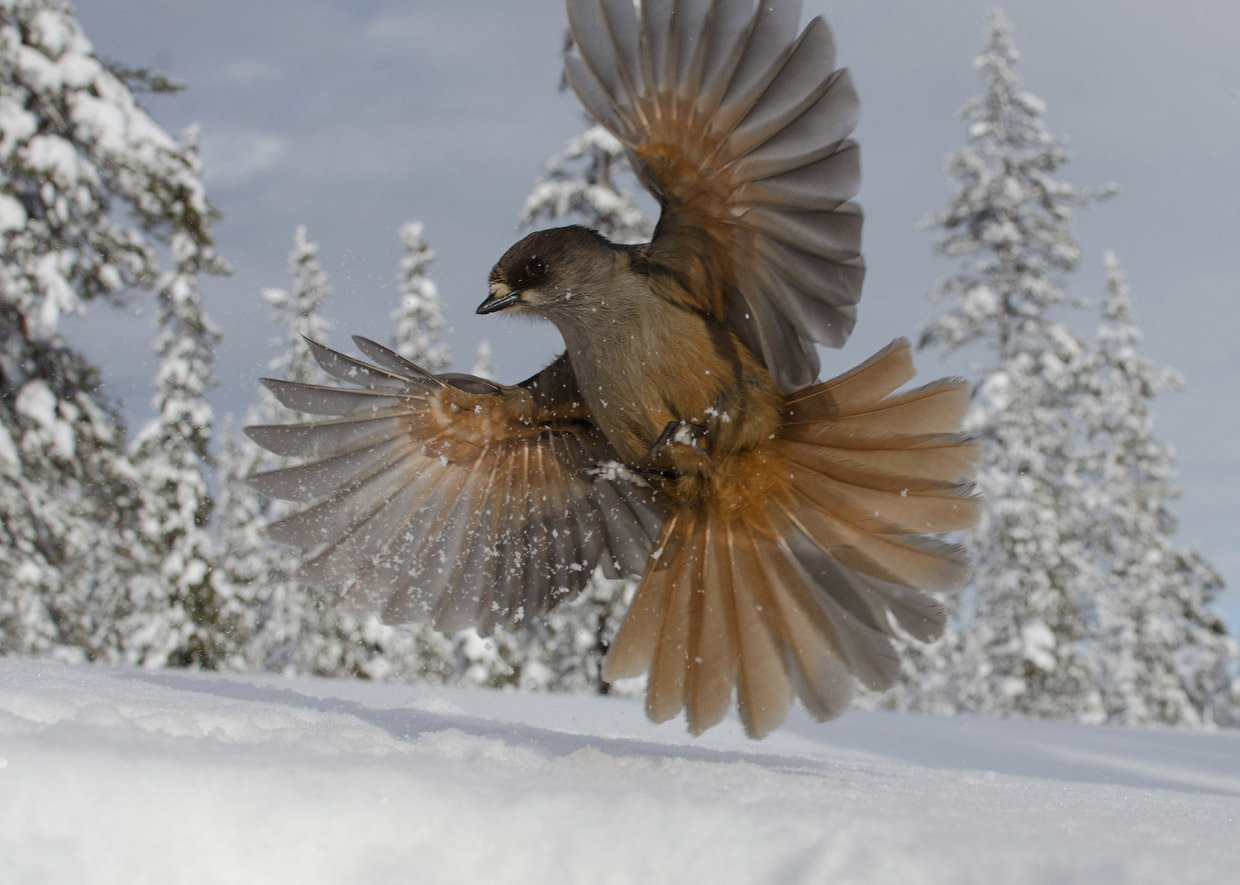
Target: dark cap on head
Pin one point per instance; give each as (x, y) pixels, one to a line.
(545, 262)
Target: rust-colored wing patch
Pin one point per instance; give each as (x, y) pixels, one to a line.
(449, 498)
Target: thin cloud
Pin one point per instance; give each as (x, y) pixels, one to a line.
(232, 157)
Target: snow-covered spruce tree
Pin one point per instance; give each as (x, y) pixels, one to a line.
(1035, 582)
(418, 322)
(171, 453)
(575, 636)
(580, 185)
(1010, 225)
(1164, 654)
(90, 187)
(410, 651)
(247, 561)
(290, 628)
(298, 312)
(296, 629)
(300, 629)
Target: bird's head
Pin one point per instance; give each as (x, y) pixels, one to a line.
(554, 273)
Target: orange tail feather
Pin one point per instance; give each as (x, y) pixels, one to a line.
(799, 588)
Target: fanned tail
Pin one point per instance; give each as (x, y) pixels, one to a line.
(799, 589)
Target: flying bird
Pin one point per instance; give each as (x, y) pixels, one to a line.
(785, 529)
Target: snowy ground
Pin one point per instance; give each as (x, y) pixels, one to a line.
(114, 776)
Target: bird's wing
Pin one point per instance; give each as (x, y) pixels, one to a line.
(450, 498)
(740, 129)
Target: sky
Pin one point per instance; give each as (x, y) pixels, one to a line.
(352, 117)
(116, 777)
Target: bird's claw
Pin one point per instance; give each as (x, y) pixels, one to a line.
(680, 433)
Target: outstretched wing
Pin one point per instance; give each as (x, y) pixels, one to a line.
(450, 498)
(740, 129)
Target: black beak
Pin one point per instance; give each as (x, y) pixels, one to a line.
(493, 304)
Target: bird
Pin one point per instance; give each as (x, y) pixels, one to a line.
(788, 532)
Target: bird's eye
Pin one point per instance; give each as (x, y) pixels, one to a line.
(536, 267)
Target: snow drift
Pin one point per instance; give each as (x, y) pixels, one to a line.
(174, 777)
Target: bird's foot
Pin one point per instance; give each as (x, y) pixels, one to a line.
(678, 439)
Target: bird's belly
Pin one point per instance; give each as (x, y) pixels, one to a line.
(632, 415)
(634, 392)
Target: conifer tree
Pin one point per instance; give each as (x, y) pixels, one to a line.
(91, 187)
(1165, 656)
(296, 633)
(1010, 226)
(298, 313)
(575, 637)
(248, 563)
(172, 457)
(581, 185)
(300, 629)
(418, 321)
